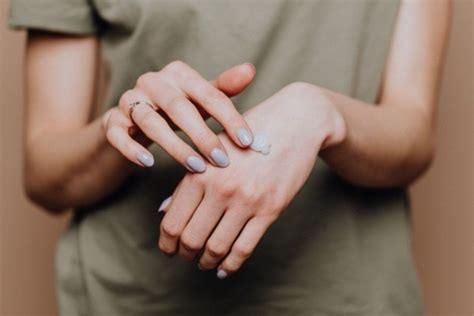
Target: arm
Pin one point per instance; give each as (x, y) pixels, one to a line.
(67, 159)
(73, 160)
(392, 143)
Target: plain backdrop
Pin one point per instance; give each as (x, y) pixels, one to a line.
(442, 200)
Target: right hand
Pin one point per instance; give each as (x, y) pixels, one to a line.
(184, 98)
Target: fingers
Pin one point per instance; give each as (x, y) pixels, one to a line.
(169, 90)
(221, 240)
(244, 246)
(155, 127)
(212, 100)
(117, 134)
(185, 115)
(200, 227)
(183, 204)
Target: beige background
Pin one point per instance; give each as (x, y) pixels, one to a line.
(442, 199)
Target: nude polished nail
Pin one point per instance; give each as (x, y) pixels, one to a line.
(164, 204)
(244, 136)
(196, 164)
(221, 274)
(220, 157)
(145, 159)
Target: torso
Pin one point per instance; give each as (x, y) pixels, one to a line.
(337, 250)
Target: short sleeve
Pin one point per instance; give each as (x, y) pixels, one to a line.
(63, 16)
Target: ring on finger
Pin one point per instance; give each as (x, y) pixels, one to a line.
(133, 105)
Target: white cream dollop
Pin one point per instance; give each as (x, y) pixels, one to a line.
(261, 143)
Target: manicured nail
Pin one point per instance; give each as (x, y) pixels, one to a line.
(219, 157)
(221, 274)
(146, 159)
(196, 164)
(244, 136)
(164, 204)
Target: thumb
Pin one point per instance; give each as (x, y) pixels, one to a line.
(235, 80)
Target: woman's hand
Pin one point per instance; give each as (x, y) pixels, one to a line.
(227, 211)
(179, 95)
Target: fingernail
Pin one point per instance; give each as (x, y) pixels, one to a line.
(244, 136)
(219, 157)
(200, 267)
(251, 65)
(164, 204)
(146, 159)
(196, 164)
(221, 274)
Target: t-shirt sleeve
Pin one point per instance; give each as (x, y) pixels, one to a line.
(62, 16)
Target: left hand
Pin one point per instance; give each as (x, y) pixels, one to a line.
(227, 211)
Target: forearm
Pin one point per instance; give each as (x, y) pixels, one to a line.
(385, 145)
(74, 168)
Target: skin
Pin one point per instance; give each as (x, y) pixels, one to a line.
(175, 91)
(353, 137)
(59, 111)
(386, 145)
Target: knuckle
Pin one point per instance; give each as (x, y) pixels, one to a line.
(146, 79)
(207, 265)
(176, 66)
(189, 242)
(215, 249)
(232, 265)
(115, 116)
(170, 230)
(299, 87)
(242, 251)
(143, 79)
(249, 194)
(166, 249)
(226, 189)
(127, 97)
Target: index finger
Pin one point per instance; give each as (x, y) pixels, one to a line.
(217, 104)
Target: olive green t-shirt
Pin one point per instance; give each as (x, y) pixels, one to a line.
(338, 249)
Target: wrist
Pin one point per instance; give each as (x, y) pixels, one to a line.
(314, 114)
(332, 123)
(298, 115)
